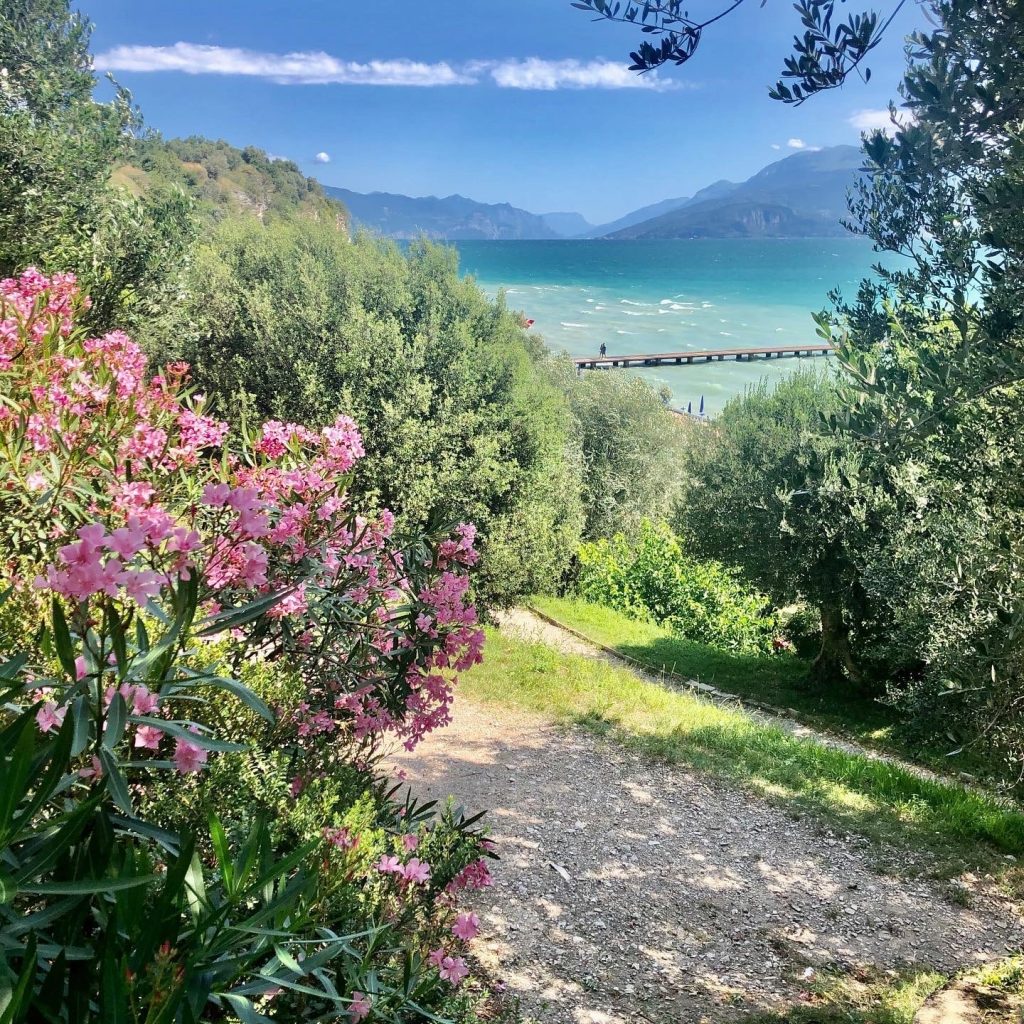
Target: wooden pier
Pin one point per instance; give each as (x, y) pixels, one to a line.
(712, 355)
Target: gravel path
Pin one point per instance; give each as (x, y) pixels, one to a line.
(636, 891)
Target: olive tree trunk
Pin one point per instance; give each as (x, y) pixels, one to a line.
(835, 659)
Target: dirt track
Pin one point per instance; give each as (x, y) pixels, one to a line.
(631, 890)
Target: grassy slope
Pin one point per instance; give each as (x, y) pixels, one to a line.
(952, 828)
(776, 680)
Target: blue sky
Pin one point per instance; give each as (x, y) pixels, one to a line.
(521, 101)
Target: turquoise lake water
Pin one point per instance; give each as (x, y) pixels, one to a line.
(669, 296)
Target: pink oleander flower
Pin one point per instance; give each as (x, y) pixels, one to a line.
(50, 716)
(183, 501)
(81, 669)
(199, 432)
(410, 842)
(292, 604)
(147, 737)
(360, 1006)
(189, 758)
(451, 968)
(390, 866)
(474, 876)
(341, 838)
(466, 927)
(216, 495)
(140, 586)
(144, 701)
(416, 871)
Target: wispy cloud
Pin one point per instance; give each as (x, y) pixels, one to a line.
(547, 75)
(305, 68)
(775, 145)
(323, 158)
(318, 68)
(872, 120)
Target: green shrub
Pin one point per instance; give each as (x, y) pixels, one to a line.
(631, 448)
(292, 321)
(801, 626)
(654, 579)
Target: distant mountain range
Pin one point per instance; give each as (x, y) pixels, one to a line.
(455, 218)
(801, 196)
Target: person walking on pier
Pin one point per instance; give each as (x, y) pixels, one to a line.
(603, 349)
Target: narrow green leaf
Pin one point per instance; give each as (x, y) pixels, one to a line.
(233, 686)
(240, 615)
(117, 787)
(195, 888)
(288, 961)
(198, 739)
(81, 716)
(244, 1009)
(62, 639)
(88, 886)
(14, 1002)
(223, 852)
(117, 719)
(119, 641)
(11, 669)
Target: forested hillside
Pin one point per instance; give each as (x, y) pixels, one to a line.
(451, 217)
(227, 181)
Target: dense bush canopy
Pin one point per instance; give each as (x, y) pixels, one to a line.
(630, 445)
(458, 417)
(654, 579)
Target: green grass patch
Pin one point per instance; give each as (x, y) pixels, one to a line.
(778, 680)
(864, 997)
(958, 829)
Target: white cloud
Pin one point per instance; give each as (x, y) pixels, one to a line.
(323, 158)
(318, 68)
(775, 145)
(534, 73)
(799, 144)
(871, 120)
(307, 68)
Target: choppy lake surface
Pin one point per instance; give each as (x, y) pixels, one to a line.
(668, 296)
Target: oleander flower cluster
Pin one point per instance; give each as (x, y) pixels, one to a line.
(162, 549)
(143, 493)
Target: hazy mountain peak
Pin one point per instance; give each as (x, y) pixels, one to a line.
(803, 195)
